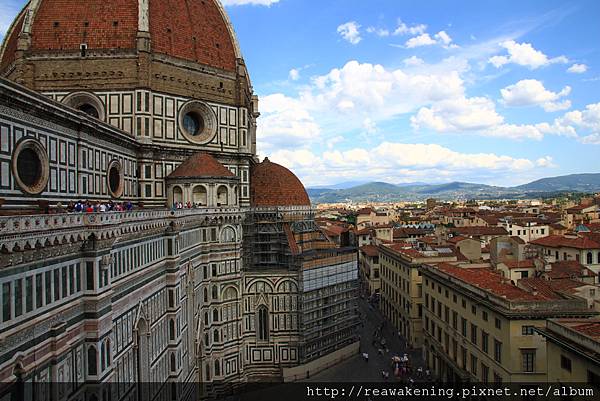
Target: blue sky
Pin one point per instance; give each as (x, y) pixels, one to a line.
(498, 92)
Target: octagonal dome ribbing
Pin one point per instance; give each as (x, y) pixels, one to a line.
(192, 30)
(274, 185)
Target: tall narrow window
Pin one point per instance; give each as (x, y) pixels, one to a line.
(171, 330)
(92, 361)
(263, 323)
(6, 302)
(18, 297)
(217, 368)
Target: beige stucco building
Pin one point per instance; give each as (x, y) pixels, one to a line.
(479, 327)
(573, 350)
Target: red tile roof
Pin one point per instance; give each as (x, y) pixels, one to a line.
(591, 329)
(193, 30)
(369, 250)
(587, 327)
(490, 281)
(558, 241)
(569, 268)
(201, 164)
(274, 185)
(540, 286)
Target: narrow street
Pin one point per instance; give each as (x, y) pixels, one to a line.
(357, 369)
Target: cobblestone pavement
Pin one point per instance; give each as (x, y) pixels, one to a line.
(356, 368)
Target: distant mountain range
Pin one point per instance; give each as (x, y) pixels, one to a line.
(385, 192)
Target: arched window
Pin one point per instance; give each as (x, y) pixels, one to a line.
(177, 194)
(171, 330)
(206, 318)
(222, 196)
(228, 234)
(92, 361)
(207, 373)
(217, 368)
(199, 196)
(589, 258)
(215, 292)
(205, 295)
(216, 336)
(263, 323)
(215, 315)
(206, 340)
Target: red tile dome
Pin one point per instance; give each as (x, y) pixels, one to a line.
(274, 185)
(192, 30)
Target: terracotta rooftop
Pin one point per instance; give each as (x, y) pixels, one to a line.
(587, 327)
(201, 164)
(369, 250)
(274, 185)
(194, 30)
(364, 231)
(542, 287)
(568, 269)
(492, 282)
(558, 241)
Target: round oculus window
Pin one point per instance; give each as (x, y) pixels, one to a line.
(114, 179)
(193, 123)
(30, 166)
(197, 122)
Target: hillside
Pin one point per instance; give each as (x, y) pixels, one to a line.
(385, 192)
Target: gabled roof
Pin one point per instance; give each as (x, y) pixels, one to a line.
(369, 250)
(569, 268)
(201, 164)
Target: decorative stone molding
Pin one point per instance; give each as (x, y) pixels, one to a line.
(204, 117)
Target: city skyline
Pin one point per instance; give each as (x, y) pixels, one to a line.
(421, 92)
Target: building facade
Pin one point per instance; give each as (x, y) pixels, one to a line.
(215, 273)
(402, 287)
(480, 328)
(573, 350)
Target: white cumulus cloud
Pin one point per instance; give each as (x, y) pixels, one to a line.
(397, 162)
(294, 74)
(524, 54)
(422, 40)
(529, 92)
(350, 31)
(442, 38)
(285, 122)
(404, 29)
(577, 68)
(458, 114)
